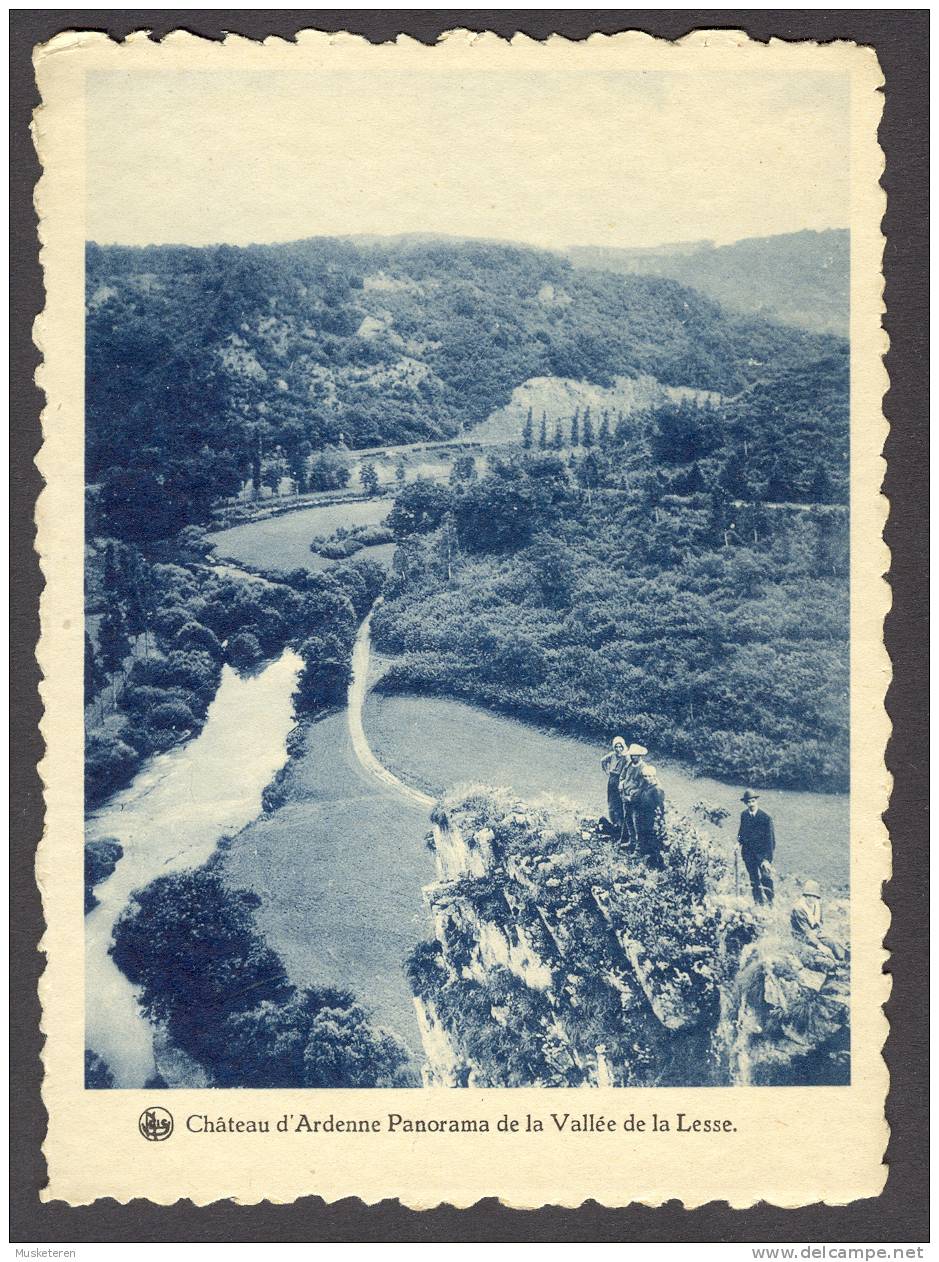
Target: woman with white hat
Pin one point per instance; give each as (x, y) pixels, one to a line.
(613, 764)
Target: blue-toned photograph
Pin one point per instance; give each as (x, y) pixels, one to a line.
(467, 586)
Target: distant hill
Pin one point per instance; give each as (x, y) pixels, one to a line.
(802, 278)
(204, 362)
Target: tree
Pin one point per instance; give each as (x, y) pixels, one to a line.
(109, 764)
(173, 716)
(139, 598)
(95, 676)
(778, 489)
(368, 477)
(683, 432)
(820, 489)
(299, 463)
(418, 508)
(543, 432)
(528, 431)
(589, 472)
(575, 428)
(401, 473)
(409, 563)
(329, 472)
(168, 621)
(113, 641)
(447, 546)
(243, 650)
(557, 442)
(603, 433)
(326, 674)
(463, 470)
(552, 571)
(273, 472)
(588, 429)
(495, 514)
(98, 1076)
(732, 479)
(190, 943)
(193, 635)
(318, 1038)
(114, 576)
(694, 480)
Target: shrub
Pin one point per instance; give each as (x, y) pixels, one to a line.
(173, 716)
(168, 621)
(109, 765)
(139, 702)
(418, 509)
(101, 858)
(339, 549)
(195, 636)
(243, 650)
(326, 674)
(319, 1038)
(362, 581)
(372, 534)
(191, 944)
(98, 1076)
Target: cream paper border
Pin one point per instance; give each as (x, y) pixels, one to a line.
(792, 1146)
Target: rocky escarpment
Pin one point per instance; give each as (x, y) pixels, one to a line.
(558, 961)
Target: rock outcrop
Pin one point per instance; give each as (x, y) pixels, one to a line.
(559, 961)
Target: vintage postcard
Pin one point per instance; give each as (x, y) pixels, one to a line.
(462, 636)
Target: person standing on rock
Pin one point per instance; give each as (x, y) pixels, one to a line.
(757, 839)
(650, 816)
(630, 782)
(613, 764)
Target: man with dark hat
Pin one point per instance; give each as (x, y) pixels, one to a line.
(757, 844)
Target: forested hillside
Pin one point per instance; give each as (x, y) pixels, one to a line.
(800, 277)
(682, 581)
(200, 362)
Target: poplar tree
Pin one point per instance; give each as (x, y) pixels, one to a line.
(113, 641)
(575, 429)
(543, 431)
(368, 476)
(588, 429)
(528, 431)
(93, 672)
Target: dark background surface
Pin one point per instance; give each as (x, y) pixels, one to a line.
(900, 1214)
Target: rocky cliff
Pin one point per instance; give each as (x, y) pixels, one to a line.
(558, 961)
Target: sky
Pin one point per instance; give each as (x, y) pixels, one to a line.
(554, 160)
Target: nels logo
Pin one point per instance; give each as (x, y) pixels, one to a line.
(155, 1124)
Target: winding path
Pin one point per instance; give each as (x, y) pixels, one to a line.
(358, 690)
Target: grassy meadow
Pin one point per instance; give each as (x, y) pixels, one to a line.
(283, 543)
(438, 744)
(339, 869)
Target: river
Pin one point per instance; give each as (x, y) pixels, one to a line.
(339, 868)
(170, 818)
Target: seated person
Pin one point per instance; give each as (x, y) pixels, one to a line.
(806, 923)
